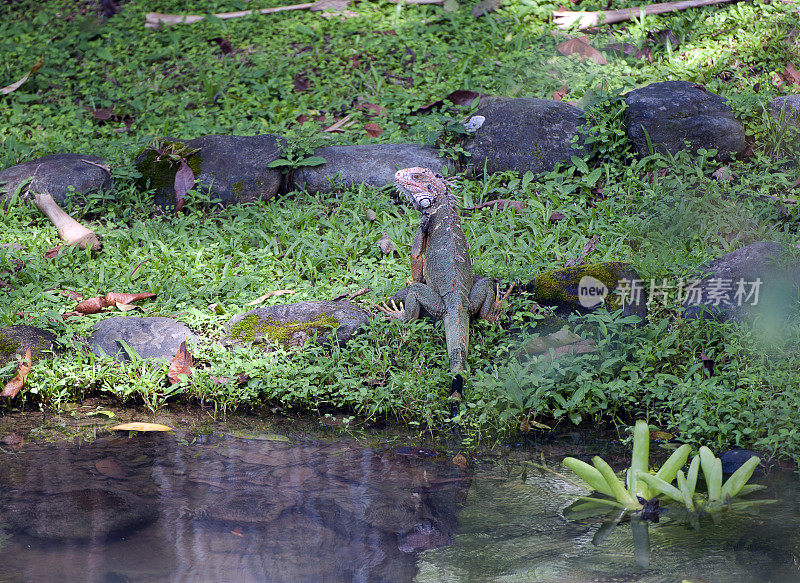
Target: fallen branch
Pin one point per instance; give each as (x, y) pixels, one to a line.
(70, 230)
(566, 18)
(156, 19)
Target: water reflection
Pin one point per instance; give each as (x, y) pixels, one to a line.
(158, 508)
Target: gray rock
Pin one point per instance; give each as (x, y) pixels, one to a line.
(157, 338)
(786, 109)
(232, 168)
(725, 284)
(676, 112)
(89, 513)
(54, 175)
(374, 164)
(564, 288)
(15, 341)
(294, 324)
(524, 134)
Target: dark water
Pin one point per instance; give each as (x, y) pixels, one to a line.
(161, 507)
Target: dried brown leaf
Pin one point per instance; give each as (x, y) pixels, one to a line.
(561, 93)
(301, 82)
(340, 125)
(500, 204)
(266, 296)
(14, 386)
(111, 468)
(485, 7)
(184, 181)
(576, 46)
(373, 129)
(118, 298)
(587, 248)
(792, 74)
(181, 364)
(386, 244)
(14, 86)
(93, 305)
(556, 217)
(14, 440)
(54, 252)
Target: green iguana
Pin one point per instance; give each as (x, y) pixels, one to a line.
(444, 285)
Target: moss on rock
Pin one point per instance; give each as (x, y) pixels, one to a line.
(251, 328)
(560, 286)
(159, 170)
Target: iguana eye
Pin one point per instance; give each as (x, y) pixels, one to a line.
(417, 176)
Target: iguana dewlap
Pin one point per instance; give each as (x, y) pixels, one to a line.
(441, 271)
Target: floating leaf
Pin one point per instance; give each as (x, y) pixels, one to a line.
(140, 426)
(14, 386)
(14, 86)
(181, 364)
(111, 468)
(576, 46)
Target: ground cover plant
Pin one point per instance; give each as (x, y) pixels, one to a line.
(297, 73)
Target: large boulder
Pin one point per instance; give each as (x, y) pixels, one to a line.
(786, 109)
(234, 169)
(373, 164)
(756, 280)
(58, 175)
(154, 337)
(292, 325)
(17, 339)
(673, 113)
(524, 134)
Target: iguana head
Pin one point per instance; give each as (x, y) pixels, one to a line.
(421, 186)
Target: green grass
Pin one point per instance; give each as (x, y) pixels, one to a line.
(177, 82)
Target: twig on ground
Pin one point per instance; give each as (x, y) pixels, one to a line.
(156, 19)
(567, 18)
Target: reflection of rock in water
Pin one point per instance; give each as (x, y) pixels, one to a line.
(78, 514)
(228, 510)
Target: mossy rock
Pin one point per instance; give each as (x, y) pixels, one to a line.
(292, 325)
(15, 341)
(233, 169)
(560, 288)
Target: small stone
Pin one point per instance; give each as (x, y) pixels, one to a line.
(370, 215)
(155, 337)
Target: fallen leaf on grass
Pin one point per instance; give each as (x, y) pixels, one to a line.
(372, 109)
(556, 217)
(14, 86)
(111, 468)
(140, 426)
(386, 244)
(184, 181)
(723, 174)
(14, 386)
(340, 125)
(93, 305)
(459, 97)
(588, 248)
(266, 296)
(499, 204)
(485, 7)
(373, 129)
(54, 252)
(792, 74)
(561, 93)
(121, 298)
(576, 46)
(181, 364)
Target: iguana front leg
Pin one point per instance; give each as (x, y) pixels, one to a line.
(418, 246)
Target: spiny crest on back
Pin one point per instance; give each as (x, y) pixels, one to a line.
(422, 186)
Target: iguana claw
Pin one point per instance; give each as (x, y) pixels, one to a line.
(394, 312)
(494, 313)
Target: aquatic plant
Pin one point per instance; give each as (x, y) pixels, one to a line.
(640, 485)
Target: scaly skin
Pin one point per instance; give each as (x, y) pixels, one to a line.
(443, 282)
